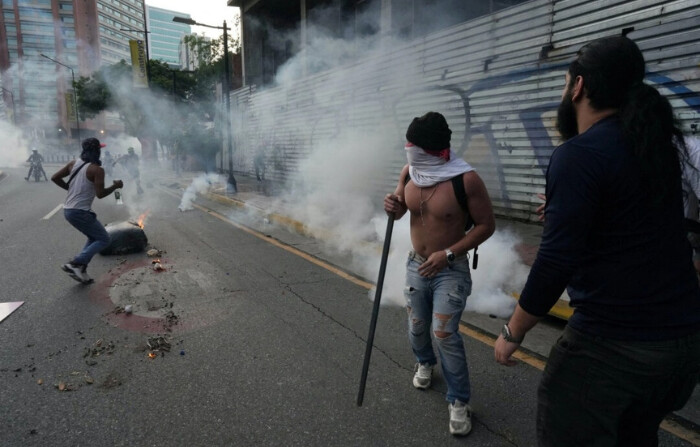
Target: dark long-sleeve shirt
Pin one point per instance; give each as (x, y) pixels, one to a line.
(627, 264)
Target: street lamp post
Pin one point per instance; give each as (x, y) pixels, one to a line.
(75, 93)
(14, 110)
(229, 134)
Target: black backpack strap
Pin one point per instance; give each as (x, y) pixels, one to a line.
(461, 194)
(406, 179)
(75, 173)
(458, 186)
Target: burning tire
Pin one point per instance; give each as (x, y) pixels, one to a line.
(125, 237)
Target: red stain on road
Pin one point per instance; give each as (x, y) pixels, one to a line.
(99, 294)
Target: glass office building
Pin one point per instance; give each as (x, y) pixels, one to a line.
(165, 35)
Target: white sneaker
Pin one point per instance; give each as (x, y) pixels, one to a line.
(423, 375)
(460, 418)
(86, 277)
(77, 272)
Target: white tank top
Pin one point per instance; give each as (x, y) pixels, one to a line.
(81, 191)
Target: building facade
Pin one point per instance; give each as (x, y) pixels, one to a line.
(45, 44)
(274, 31)
(165, 35)
(190, 56)
(312, 94)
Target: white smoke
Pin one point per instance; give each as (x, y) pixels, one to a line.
(16, 144)
(14, 148)
(499, 274)
(333, 190)
(199, 185)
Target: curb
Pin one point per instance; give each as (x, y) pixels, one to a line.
(273, 217)
(280, 219)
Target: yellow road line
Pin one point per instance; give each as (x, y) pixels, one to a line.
(668, 425)
(283, 246)
(679, 431)
(491, 341)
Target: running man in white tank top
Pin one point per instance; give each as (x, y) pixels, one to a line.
(87, 180)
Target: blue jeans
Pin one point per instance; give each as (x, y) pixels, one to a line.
(608, 393)
(445, 295)
(86, 222)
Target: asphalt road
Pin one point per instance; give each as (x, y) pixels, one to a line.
(266, 347)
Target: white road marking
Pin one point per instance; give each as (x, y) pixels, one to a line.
(55, 210)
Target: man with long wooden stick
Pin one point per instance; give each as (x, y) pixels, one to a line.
(438, 280)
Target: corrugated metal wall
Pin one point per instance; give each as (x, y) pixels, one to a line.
(497, 79)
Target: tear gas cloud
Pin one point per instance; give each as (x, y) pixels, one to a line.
(16, 144)
(335, 186)
(14, 148)
(199, 185)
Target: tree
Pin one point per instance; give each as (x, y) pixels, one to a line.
(143, 111)
(149, 114)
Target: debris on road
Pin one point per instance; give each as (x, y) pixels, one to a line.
(154, 253)
(170, 320)
(98, 349)
(158, 343)
(157, 265)
(64, 386)
(111, 381)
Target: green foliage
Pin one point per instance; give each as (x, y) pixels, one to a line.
(143, 115)
(95, 94)
(201, 143)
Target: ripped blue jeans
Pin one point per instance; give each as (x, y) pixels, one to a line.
(440, 302)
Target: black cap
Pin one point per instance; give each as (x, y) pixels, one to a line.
(91, 150)
(91, 144)
(429, 132)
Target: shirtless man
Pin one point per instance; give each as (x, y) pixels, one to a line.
(438, 280)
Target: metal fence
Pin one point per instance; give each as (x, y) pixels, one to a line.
(58, 158)
(497, 79)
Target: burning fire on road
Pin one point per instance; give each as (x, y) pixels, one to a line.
(126, 237)
(141, 220)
